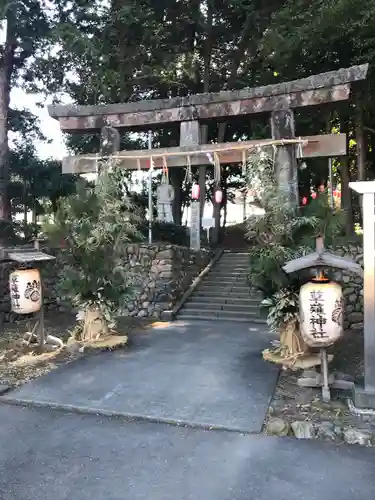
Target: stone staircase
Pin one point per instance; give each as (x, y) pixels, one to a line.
(224, 294)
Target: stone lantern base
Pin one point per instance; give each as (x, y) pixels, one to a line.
(363, 398)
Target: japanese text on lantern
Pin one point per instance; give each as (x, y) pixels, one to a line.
(15, 292)
(317, 315)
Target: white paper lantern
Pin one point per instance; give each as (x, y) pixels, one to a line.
(25, 291)
(321, 312)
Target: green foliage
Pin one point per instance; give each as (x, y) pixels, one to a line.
(283, 308)
(35, 185)
(93, 226)
(330, 223)
(284, 232)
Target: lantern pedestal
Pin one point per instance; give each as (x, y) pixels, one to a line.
(324, 379)
(363, 398)
(25, 286)
(321, 313)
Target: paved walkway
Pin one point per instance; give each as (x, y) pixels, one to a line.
(207, 374)
(202, 374)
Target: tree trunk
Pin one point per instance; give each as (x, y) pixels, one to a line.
(95, 326)
(24, 206)
(4, 150)
(176, 179)
(225, 195)
(217, 207)
(206, 87)
(202, 173)
(360, 148)
(346, 195)
(225, 207)
(6, 70)
(34, 217)
(237, 59)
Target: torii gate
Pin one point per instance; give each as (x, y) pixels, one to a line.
(279, 100)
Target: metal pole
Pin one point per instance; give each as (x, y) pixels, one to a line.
(330, 175)
(150, 190)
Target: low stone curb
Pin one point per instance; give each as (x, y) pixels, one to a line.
(128, 417)
(4, 388)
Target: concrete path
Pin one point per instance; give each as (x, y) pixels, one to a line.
(47, 455)
(200, 374)
(205, 375)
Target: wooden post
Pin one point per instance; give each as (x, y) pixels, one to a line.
(282, 126)
(109, 143)
(203, 139)
(346, 196)
(361, 151)
(365, 397)
(190, 136)
(358, 98)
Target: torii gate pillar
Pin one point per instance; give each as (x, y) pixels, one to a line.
(282, 126)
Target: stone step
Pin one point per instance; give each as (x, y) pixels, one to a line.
(242, 289)
(234, 263)
(223, 281)
(235, 277)
(226, 299)
(212, 310)
(230, 284)
(233, 271)
(219, 292)
(230, 252)
(223, 291)
(253, 308)
(229, 270)
(220, 317)
(221, 274)
(227, 288)
(222, 306)
(249, 299)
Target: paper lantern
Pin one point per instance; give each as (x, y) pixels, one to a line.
(218, 196)
(25, 291)
(321, 312)
(195, 192)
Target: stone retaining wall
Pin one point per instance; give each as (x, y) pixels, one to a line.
(163, 273)
(352, 287)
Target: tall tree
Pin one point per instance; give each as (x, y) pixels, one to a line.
(24, 25)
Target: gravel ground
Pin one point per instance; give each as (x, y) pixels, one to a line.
(19, 364)
(328, 421)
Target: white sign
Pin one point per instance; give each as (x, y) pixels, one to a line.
(195, 233)
(208, 222)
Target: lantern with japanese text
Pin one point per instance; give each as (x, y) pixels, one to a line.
(321, 308)
(195, 192)
(25, 291)
(321, 312)
(321, 300)
(218, 196)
